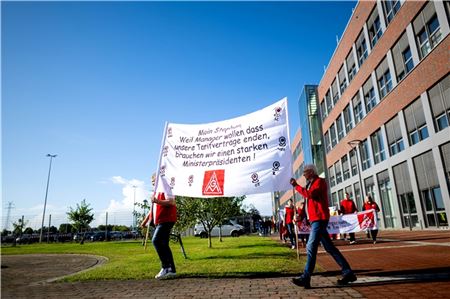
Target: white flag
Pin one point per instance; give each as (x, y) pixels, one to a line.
(245, 155)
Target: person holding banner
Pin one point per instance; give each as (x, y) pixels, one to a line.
(348, 206)
(369, 204)
(164, 215)
(300, 221)
(318, 214)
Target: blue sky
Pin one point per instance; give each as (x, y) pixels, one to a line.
(95, 83)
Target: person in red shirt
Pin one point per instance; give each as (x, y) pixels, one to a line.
(163, 214)
(369, 204)
(289, 222)
(348, 207)
(301, 220)
(318, 214)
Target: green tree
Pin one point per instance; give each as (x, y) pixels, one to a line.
(18, 227)
(28, 230)
(212, 212)
(81, 217)
(65, 228)
(186, 217)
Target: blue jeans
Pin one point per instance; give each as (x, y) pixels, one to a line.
(291, 231)
(318, 234)
(160, 241)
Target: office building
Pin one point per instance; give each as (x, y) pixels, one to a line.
(385, 108)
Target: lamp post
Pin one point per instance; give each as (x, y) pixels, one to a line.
(354, 144)
(134, 207)
(46, 193)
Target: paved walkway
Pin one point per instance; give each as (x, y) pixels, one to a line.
(402, 264)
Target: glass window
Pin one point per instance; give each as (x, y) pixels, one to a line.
(384, 185)
(427, 28)
(342, 80)
(391, 8)
(369, 186)
(394, 136)
(361, 49)
(405, 196)
(327, 141)
(439, 97)
(445, 153)
(374, 26)
(333, 136)
(340, 128)
(384, 78)
(357, 108)
(351, 66)
(402, 57)
(332, 177)
(369, 95)
(338, 173)
(341, 194)
(345, 167)
(334, 91)
(349, 190)
(365, 157)
(407, 60)
(334, 199)
(328, 102)
(385, 84)
(323, 110)
(430, 190)
(378, 147)
(348, 119)
(371, 99)
(415, 122)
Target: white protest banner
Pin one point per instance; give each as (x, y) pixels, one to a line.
(245, 155)
(349, 223)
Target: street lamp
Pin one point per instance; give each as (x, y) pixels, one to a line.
(46, 193)
(134, 207)
(353, 144)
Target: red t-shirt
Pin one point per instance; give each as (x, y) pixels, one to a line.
(289, 215)
(369, 206)
(163, 214)
(348, 206)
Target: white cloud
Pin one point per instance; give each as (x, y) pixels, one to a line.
(262, 202)
(120, 211)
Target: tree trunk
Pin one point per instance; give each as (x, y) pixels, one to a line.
(209, 241)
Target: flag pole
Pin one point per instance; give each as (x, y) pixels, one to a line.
(295, 225)
(156, 181)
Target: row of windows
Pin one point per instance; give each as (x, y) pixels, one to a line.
(377, 150)
(427, 35)
(357, 109)
(429, 190)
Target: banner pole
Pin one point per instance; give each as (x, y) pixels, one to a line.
(295, 225)
(156, 180)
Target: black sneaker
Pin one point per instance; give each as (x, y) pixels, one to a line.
(302, 282)
(346, 279)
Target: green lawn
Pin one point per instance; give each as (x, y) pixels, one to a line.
(246, 256)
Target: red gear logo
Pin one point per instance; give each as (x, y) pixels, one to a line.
(213, 182)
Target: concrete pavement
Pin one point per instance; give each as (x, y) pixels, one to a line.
(402, 264)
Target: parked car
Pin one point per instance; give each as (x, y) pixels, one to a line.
(228, 229)
(78, 236)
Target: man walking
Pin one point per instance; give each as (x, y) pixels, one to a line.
(348, 207)
(318, 214)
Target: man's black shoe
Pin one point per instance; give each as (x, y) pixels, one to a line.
(302, 282)
(346, 279)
